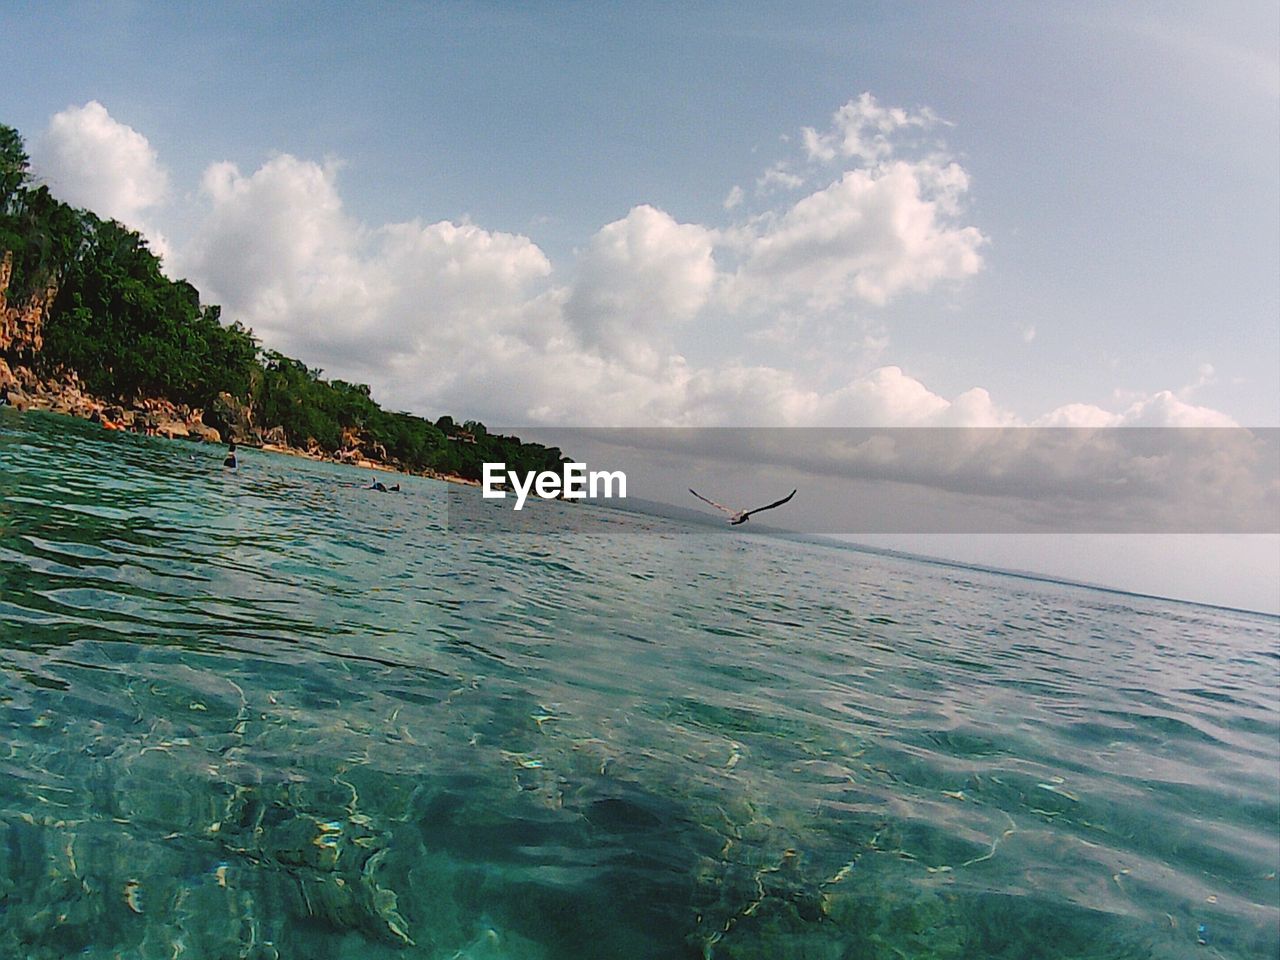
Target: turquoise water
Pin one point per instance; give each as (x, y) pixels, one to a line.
(269, 714)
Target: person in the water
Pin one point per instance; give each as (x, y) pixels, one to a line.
(383, 488)
(230, 461)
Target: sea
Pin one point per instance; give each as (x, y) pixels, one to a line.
(271, 713)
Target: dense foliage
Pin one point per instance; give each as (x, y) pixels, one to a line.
(131, 332)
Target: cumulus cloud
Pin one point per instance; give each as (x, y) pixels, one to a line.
(588, 390)
(637, 280)
(888, 396)
(1078, 415)
(864, 130)
(778, 177)
(271, 238)
(1165, 409)
(89, 159)
(1161, 409)
(868, 236)
(277, 248)
(450, 316)
(889, 224)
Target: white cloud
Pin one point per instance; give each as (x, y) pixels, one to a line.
(864, 130)
(778, 177)
(734, 198)
(278, 250)
(868, 236)
(1078, 415)
(1164, 409)
(745, 395)
(91, 160)
(449, 316)
(1161, 409)
(638, 279)
(271, 238)
(887, 397)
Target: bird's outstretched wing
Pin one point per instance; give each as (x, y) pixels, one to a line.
(718, 506)
(777, 503)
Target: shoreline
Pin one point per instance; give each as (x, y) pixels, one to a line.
(362, 463)
(23, 390)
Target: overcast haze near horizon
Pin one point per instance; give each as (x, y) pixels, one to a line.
(1173, 512)
(650, 215)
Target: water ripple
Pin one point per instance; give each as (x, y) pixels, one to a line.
(272, 714)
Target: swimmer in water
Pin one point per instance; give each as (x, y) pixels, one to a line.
(230, 461)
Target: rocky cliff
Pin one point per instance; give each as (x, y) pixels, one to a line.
(21, 323)
(60, 390)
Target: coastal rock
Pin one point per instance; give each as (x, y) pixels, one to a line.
(204, 432)
(276, 437)
(233, 419)
(7, 379)
(171, 429)
(22, 324)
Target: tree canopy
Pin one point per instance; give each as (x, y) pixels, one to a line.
(131, 332)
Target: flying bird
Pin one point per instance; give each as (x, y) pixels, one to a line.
(740, 516)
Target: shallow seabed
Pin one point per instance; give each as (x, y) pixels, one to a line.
(269, 714)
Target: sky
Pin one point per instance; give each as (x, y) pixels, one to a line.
(653, 214)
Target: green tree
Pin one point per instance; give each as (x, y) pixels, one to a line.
(15, 166)
(131, 332)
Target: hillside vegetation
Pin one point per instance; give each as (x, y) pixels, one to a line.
(130, 332)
